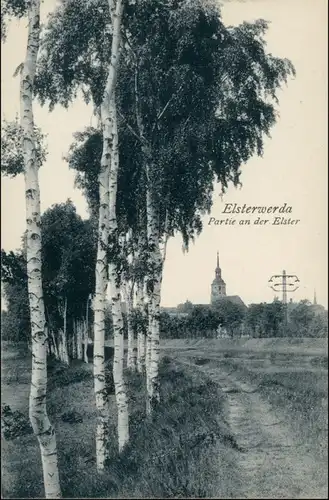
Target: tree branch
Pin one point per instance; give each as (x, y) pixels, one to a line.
(130, 127)
(166, 106)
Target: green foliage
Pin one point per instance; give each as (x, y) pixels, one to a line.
(230, 315)
(186, 307)
(304, 320)
(203, 320)
(206, 96)
(265, 319)
(173, 454)
(11, 8)
(68, 257)
(14, 424)
(68, 270)
(16, 322)
(12, 156)
(60, 375)
(84, 157)
(72, 417)
(75, 49)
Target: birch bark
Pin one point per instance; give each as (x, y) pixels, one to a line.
(79, 340)
(86, 336)
(127, 289)
(103, 228)
(55, 348)
(118, 377)
(154, 291)
(65, 346)
(141, 334)
(74, 339)
(41, 425)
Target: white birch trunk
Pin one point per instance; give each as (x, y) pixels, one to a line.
(79, 340)
(103, 226)
(64, 345)
(74, 339)
(118, 331)
(55, 348)
(41, 425)
(148, 334)
(154, 290)
(85, 344)
(141, 336)
(60, 346)
(131, 353)
(86, 336)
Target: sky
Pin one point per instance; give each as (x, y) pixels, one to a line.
(293, 170)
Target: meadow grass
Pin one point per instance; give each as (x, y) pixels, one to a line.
(302, 396)
(184, 450)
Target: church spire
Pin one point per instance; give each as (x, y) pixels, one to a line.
(314, 298)
(218, 271)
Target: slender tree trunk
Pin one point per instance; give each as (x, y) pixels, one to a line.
(141, 333)
(60, 346)
(101, 271)
(103, 228)
(86, 336)
(148, 344)
(118, 330)
(65, 346)
(154, 267)
(99, 316)
(79, 339)
(74, 339)
(54, 344)
(37, 404)
(131, 353)
(154, 290)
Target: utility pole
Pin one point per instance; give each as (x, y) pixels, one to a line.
(284, 283)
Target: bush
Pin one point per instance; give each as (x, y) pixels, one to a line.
(14, 423)
(72, 417)
(61, 375)
(174, 453)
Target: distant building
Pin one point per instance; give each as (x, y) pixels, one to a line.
(218, 286)
(218, 293)
(174, 312)
(317, 308)
(218, 289)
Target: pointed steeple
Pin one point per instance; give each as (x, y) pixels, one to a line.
(218, 286)
(314, 298)
(218, 271)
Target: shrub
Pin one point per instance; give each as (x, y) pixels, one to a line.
(14, 423)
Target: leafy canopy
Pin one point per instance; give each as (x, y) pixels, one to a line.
(205, 93)
(12, 155)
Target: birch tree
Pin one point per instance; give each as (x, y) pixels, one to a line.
(194, 99)
(114, 281)
(68, 256)
(107, 231)
(41, 425)
(127, 285)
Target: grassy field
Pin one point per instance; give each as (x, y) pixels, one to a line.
(292, 374)
(185, 451)
(306, 346)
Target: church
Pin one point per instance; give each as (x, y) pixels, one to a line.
(218, 289)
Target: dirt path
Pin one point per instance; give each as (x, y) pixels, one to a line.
(272, 462)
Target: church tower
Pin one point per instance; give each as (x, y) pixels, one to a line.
(218, 286)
